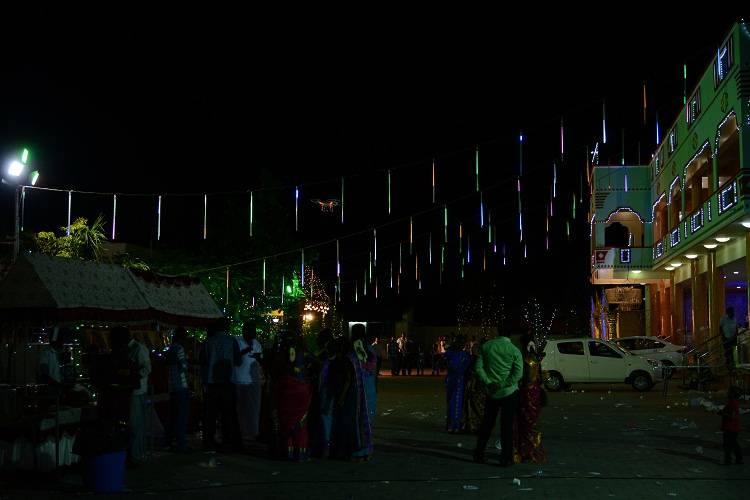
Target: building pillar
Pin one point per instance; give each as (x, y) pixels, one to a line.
(647, 308)
(747, 271)
(713, 294)
(672, 308)
(698, 304)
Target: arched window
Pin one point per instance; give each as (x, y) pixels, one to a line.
(728, 150)
(698, 182)
(624, 229)
(675, 204)
(660, 218)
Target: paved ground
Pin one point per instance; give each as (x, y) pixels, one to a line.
(602, 442)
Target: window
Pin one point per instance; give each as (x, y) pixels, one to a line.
(673, 140)
(602, 350)
(653, 344)
(698, 181)
(575, 348)
(693, 108)
(728, 151)
(660, 218)
(723, 62)
(628, 344)
(675, 204)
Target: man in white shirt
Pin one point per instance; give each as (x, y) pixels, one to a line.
(248, 381)
(139, 356)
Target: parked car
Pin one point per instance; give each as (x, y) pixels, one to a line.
(653, 348)
(569, 361)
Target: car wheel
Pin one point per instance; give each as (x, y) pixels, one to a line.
(641, 381)
(668, 367)
(554, 382)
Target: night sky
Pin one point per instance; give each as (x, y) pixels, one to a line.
(226, 103)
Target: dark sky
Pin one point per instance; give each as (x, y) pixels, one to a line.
(205, 102)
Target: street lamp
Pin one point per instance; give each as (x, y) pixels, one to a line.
(17, 176)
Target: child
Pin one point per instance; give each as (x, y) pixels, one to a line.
(730, 425)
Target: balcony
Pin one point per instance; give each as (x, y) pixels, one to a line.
(723, 207)
(622, 259)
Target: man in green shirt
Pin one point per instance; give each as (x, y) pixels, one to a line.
(499, 367)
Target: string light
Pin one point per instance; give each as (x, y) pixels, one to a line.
(369, 267)
(338, 269)
(227, 296)
(644, 102)
(684, 83)
(391, 274)
(264, 276)
(433, 180)
(445, 223)
(158, 220)
(554, 180)
(622, 160)
(70, 201)
(302, 268)
(658, 134)
(604, 122)
(481, 209)
(114, 216)
(389, 192)
(411, 235)
(562, 138)
(489, 226)
(468, 249)
(205, 214)
(296, 208)
(520, 214)
(375, 245)
(430, 248)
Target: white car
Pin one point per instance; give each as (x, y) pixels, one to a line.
(569, 361)
(653, 348)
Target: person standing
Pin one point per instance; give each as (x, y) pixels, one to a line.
(219, 355)
(730, 426)
(458, 361)
(49, 363)
(528, 438)
(728, 327)
(179, 395)
(247, 380)
(394, 356)
(139, 356)
(500, 367)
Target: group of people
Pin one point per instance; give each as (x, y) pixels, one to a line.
(496, 377)
(300, 400)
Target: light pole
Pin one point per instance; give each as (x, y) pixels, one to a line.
(18, 176)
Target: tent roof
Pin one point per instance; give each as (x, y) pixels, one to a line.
(39, 287)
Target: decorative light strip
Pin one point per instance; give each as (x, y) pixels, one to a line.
(342, 203)
(70, 201)
(114, 216)
(205, 214)
(625, 255)
(728, 197)
(158, 222)
(653, 207)
(621, 209)
(296, 208)
(674, 237)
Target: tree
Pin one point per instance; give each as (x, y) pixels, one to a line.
(84, 241)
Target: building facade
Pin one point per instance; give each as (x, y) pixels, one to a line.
(670, 240)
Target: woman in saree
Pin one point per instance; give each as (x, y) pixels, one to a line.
(291, 395)
(352, 433)
(527, 438)
(457, 361)
(475, 397)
